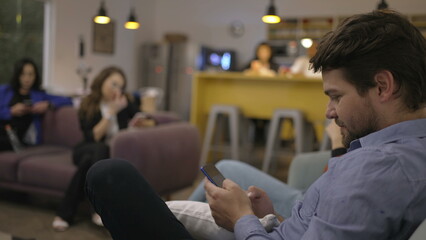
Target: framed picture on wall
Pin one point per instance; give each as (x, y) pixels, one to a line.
(103, 38)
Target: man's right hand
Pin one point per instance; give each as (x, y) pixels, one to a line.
(19, 109)
(227, 204)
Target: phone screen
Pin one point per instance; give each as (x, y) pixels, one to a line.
(213, 174)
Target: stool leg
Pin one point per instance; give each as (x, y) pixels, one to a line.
(219, 135)
(274, 129)
(233, 123)
(208, 138)
(300, 133)
(246, 146)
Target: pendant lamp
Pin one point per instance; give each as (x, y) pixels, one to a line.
(271, 16)
(132, 23)
(382, 5)
(102, 17)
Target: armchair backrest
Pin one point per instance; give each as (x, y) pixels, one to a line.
(167, 155)
(305, 168)
(162, 117)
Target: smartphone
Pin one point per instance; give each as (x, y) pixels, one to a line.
(141, 115)
(213, 174)
(27, 102)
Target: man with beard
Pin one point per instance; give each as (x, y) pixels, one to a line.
(374, 72)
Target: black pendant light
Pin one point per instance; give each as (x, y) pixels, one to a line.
(132, 23)
(271, 16)
(102, 17)
(382, 5)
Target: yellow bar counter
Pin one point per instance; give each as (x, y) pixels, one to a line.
(257, 96)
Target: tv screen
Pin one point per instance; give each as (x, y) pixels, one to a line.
(217, 59)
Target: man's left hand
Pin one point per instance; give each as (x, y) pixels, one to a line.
(227, 204)
(260, 202)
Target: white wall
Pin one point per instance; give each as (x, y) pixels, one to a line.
(203, 21)
(207, 21)
(72, 19)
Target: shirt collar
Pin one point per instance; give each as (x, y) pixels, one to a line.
(411, 128)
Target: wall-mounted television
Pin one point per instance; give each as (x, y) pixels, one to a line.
(217, 59)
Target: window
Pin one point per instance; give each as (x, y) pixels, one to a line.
(21, 34)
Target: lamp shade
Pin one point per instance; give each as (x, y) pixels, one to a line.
(102, 17)
(271, 16)
(132, 23)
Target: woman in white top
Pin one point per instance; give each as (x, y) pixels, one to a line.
(104, 112)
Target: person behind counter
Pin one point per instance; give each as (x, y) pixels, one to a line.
(103, 113)
(262, 63)
(23, 103)
(301, 65)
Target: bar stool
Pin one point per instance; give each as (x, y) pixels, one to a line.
(214, 126)
(304, 136)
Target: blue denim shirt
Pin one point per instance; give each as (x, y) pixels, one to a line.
(375, 191)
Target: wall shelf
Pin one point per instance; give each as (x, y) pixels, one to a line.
(420, 22)
(316, 27)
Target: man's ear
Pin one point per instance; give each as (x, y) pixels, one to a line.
(385, 85)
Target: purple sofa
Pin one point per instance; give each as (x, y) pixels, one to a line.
(167, 155)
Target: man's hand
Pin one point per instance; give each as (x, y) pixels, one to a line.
(333, 131)
(227, 204)
(19, 109)
(260, 202)
(40, 107)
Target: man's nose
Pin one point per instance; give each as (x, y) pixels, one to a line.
(330, 112)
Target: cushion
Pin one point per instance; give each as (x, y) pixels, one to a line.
(52, 171)
(306, 168)
(198, 220)
(9, 160)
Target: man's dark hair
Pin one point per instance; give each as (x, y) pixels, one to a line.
(17, 71)
(364, 44)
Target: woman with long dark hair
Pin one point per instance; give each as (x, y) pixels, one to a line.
(23, 103)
